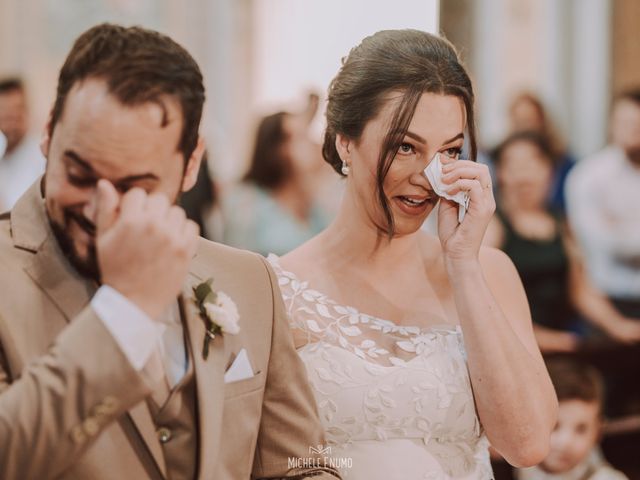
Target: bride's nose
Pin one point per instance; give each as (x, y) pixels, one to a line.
(419, 178)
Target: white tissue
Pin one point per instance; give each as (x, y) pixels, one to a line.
(434, 175)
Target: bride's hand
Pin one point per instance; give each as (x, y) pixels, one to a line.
(461, 241)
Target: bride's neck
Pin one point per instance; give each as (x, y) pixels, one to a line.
(353, 237)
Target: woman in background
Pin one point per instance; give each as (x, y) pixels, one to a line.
(528, 114)
(538, 242)
(418, 348)
(273, 210)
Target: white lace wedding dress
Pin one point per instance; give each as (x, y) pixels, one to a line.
(396, 402)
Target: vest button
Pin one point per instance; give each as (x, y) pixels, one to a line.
(164, 434)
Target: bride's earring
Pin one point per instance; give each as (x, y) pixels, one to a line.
(345, 168)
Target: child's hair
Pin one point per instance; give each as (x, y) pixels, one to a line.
(575, 380)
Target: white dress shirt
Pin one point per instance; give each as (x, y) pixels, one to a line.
(603, 197)
(139, 336)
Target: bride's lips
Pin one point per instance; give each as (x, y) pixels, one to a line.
(412, 204)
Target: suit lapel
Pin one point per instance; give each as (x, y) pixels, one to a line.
(141, 418)
(209, 380)
(48, 268)
(51, 271)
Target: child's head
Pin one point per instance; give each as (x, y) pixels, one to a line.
(580, 396)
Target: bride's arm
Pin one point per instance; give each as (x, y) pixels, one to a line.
(514, 396)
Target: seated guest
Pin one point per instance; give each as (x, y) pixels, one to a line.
(22, 161)
(272, 210)
(602, 199)
(574, 452)
(541, 248)
(527, 113)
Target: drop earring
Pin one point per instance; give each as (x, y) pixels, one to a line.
(345, 168)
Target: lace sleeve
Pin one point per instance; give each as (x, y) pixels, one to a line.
(313, 318)
(305, 321)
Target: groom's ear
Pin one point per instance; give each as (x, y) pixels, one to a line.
(45, 139)
(193, 166)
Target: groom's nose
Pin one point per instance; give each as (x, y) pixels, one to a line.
(90, 208)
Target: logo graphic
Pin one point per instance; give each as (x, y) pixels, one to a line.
(320, 450)
(320, 457)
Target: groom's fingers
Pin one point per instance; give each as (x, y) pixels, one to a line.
(106, 205)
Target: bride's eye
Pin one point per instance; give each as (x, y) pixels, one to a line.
(453, 152)
(406, 149)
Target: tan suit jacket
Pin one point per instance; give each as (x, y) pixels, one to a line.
(72, 406)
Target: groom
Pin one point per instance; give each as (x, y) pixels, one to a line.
(111, 365)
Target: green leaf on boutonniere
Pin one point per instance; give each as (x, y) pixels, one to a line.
(204, 294)
(203, 291)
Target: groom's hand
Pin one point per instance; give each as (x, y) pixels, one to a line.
(144, 246)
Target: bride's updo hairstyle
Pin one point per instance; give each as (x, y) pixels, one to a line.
(407, 61)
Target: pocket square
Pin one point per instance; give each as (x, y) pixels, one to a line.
(240, 369)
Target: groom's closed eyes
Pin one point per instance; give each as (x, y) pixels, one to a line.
(81, 174)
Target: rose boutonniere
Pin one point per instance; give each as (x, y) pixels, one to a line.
(217, 310)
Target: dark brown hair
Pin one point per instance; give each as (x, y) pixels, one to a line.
(270, 167)
(632, 95)
(549, 129)
(575, 380)
(139, 66)
(537, 139)
(407, 61)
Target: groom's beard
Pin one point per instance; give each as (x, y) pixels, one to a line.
(86, 265)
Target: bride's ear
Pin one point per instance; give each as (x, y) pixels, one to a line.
(344, 146)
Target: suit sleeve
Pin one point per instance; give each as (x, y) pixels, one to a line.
(290, 422)
(62, 401)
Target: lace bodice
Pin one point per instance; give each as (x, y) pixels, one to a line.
(381, 387)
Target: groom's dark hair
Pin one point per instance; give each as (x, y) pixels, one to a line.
(139, 66)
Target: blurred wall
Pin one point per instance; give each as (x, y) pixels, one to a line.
(626, 44)
(36, 35)
(561, 50)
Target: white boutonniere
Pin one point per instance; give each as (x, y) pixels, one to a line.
(217, 310)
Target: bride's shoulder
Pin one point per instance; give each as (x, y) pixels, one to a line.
(304, 258)
(495, 261)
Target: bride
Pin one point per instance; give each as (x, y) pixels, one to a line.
(419, 349)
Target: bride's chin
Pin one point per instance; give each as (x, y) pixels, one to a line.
(407, 224)
(406, 227)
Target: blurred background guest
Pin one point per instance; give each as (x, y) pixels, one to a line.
(574, 453)
(603, 195)
(22, 161)
(325, 186)
(528, 113)
(538, 242)
(273, 209)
